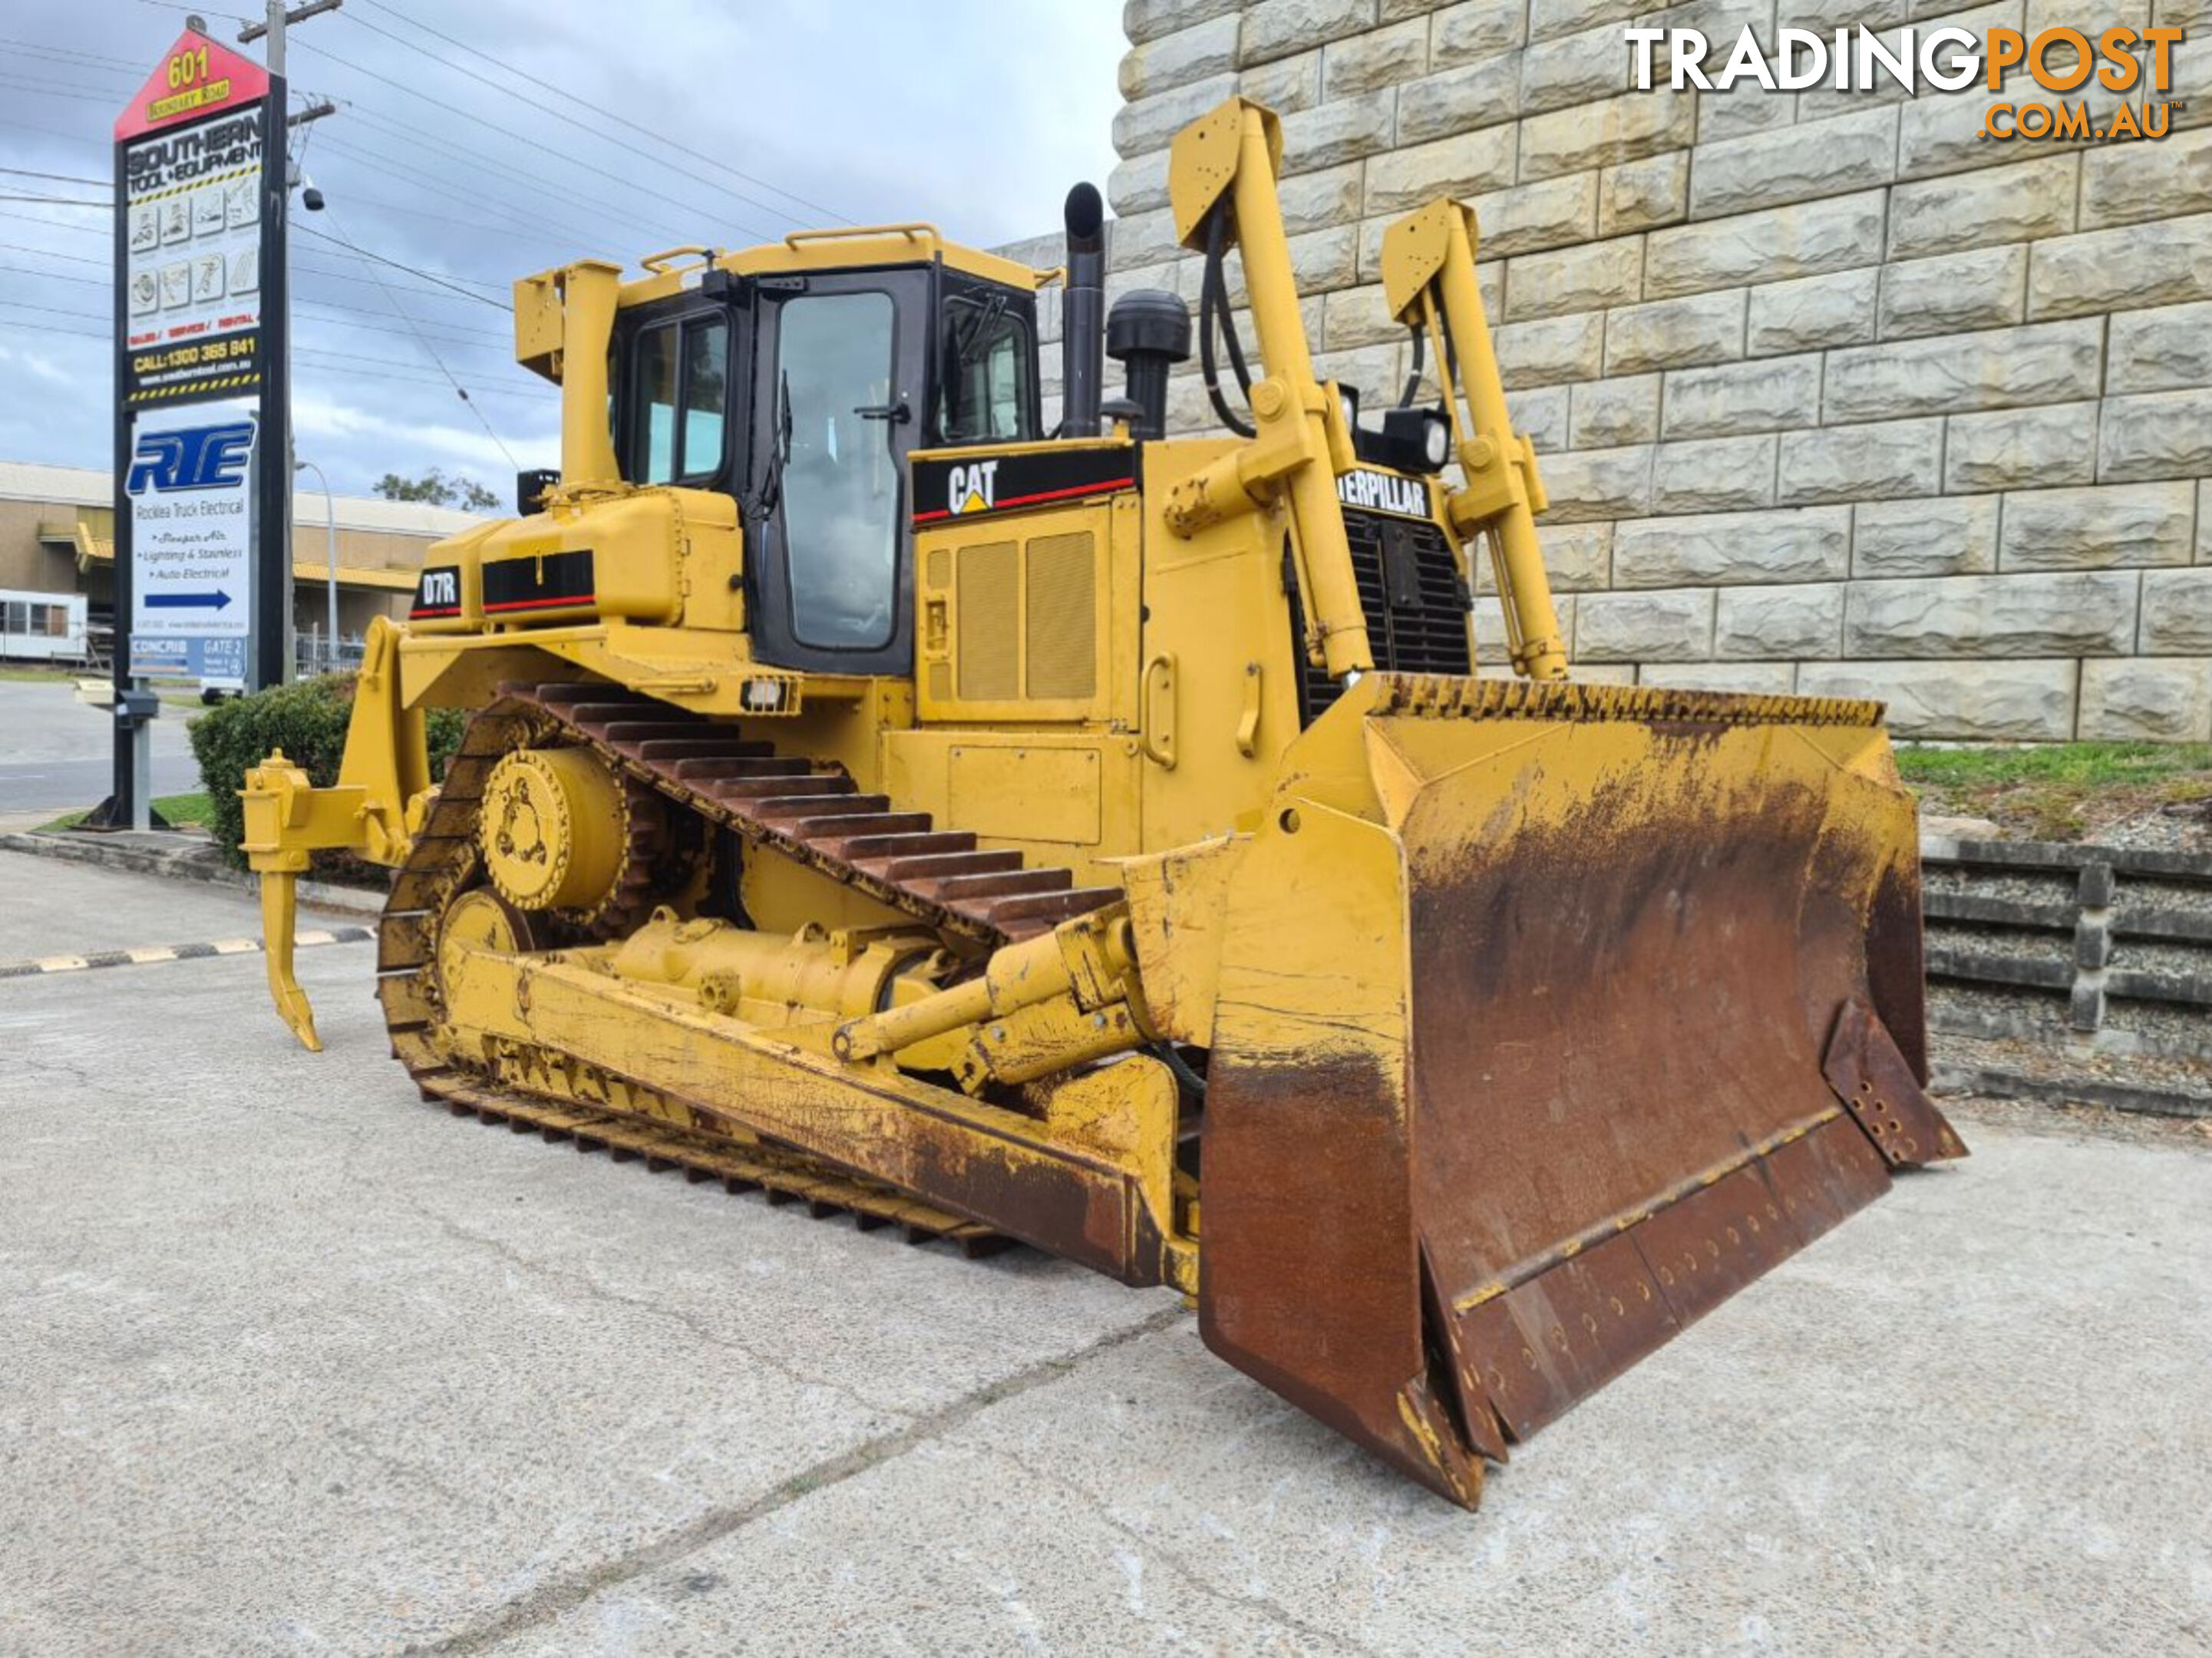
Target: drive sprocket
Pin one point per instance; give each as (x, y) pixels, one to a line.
(564, 834)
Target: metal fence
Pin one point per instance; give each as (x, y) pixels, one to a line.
(314, 652)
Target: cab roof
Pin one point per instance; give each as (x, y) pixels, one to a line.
(860, 247)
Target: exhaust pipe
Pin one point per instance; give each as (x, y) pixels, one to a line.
(1082, 328)
(590, 291)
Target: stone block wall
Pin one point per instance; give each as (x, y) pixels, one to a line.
(1830, 394)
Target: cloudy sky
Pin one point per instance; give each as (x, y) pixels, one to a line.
(481, 140)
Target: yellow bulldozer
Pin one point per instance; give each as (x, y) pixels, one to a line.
(872, 798)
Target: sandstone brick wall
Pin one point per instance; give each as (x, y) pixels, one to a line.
(1830, 394)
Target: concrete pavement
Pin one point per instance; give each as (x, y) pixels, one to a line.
(296, 1363)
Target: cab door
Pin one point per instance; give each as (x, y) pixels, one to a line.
(840, 393)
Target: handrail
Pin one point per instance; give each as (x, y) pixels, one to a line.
(658, 263)
(915, 232)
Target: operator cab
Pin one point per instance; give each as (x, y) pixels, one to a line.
(801, 393)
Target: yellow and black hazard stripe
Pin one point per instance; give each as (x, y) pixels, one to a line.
(148, 955)
(194, 387)
(197, 184)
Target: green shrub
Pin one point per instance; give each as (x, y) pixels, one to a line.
(307, 719)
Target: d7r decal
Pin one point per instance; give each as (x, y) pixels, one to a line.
(437, 594)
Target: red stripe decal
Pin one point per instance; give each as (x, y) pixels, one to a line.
(1030, 501)
(544, 603)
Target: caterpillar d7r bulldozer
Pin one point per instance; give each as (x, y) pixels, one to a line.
(874, 800)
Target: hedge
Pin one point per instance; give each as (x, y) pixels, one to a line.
(307, 719)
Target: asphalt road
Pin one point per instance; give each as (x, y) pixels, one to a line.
(56, 753)
(293, 1362)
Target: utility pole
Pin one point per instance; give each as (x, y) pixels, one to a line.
(278, 19)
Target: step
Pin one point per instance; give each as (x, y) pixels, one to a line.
(620, 732)
(1041, 909)
(568, 693)
(694, 747)
(1012, 883)
(830, 835)
(743, 760)
(782, 808)
(935, 866)
(926, 843)
(749, 787)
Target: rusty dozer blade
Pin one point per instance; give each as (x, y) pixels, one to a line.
(1549, 1017)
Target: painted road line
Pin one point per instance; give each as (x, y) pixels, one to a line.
(145, 954)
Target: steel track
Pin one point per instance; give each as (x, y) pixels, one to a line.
(810, 812)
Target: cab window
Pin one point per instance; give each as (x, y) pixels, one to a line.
(679, 400)
(985, 375)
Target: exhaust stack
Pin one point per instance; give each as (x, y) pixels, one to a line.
(590, 291)
(1082, 332)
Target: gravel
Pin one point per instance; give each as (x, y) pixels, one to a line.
(2163, 828)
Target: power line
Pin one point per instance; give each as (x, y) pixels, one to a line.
(386, 364)
(50, 224)
(76, 138)
(55, 201)
(40, 49)
(460, 391)
(495, 342)
(325, 273)
(55, 276)
(57, 177)
(570, 98)
(478, 160)
(521, 138)
(500, 341)
(568, 94)
(396, 170)
(347, 318)
(49, 253)
(53, 311)
(104, 335)
(47, 89)
(413, 271)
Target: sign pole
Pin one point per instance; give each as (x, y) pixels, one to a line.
(271, 647)
(123, 807)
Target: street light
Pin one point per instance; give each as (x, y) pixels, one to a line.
(331, 553)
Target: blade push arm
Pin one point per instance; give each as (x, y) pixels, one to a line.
(373, 809)
(1428, 281)
(1221, 184)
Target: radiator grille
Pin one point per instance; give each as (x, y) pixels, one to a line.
(988, 605)
(1063, 616)
(1413, 597)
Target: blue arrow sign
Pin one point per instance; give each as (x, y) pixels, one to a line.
(217, 600)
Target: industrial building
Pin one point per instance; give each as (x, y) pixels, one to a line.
(58, 562)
